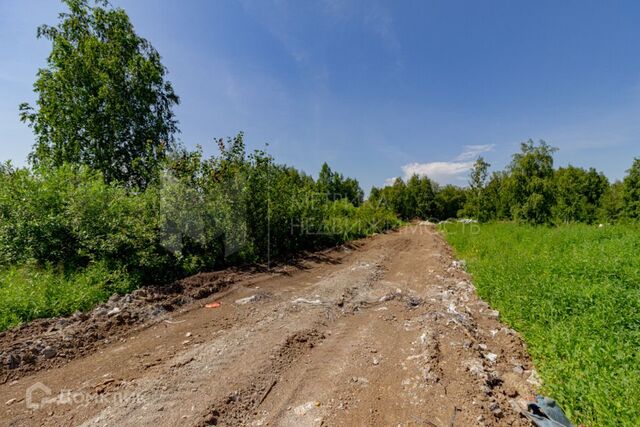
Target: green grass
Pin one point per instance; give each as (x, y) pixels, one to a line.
(573, 293)
(29, 292)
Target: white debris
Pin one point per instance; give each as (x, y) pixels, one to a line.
(459, 264)
(467, 221)
(534, 379)
(246, 300)
(423, 338)
(306, 407)
(452, 308)
(307, 301)
(493, 314)
(113, 311)
(491, 357)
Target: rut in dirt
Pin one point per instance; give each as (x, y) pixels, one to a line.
(387, 331)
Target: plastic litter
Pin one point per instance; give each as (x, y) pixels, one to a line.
(307, 301)
(545, 412)
(215, 304)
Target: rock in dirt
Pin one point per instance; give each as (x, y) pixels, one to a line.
(49, 352)
(12, 361)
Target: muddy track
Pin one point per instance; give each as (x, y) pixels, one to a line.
(387, 331)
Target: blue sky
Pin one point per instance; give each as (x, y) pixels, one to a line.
(377, 89)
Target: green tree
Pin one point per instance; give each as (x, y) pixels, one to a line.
(103, 99)
(611, 203)
(449, 201)
(578, 193)
(392, 197)
(530, 183)
(419, 199)
(496, 199)
(631, 191)
(337, 187)
(476, 205)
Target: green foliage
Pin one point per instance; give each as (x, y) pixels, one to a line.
(31, 291)
(529, 186)
(572, 292)
(611, 203)
(103, 100)
(415, 199)
(449, 202)
(496, 199)
(70, 217)
(336, 186)
(66, 226)
(631, 191)
(578, 193)
(476, 205)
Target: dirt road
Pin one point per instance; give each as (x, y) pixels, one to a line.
(386, 331)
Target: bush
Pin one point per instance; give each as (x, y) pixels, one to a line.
(66, 228)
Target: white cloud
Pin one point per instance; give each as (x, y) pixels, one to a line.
(441, 172)
(471, 152)
(390, 181)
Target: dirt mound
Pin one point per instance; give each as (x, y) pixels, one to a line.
(46, 343)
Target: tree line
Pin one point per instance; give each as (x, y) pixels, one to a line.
(529, 190)
(112, 200)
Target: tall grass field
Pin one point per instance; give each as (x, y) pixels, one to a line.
(573, 292)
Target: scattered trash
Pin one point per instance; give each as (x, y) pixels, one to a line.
(375, 361)
(423, 338)
(491, 357)
(215, 304)
(459, 264)
(174, 322)
(247, 300)
(493, 314)
(387, 297)
(188, 334)
(307, 301)
(113, 311)
(10, 401)
(545, 412)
